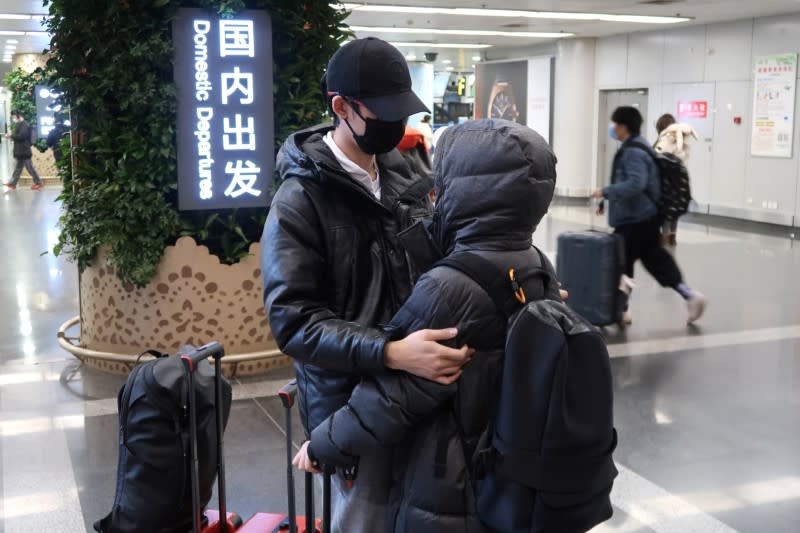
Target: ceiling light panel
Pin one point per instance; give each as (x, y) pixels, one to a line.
(465, 46)
(466, 33)
(513, 13)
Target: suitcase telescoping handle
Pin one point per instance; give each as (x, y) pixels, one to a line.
(191, 361)
(288, 395)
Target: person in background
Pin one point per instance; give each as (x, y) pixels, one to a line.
(54, 139)
(22, 152)
(333, 264)
(672, 139)
(633, 212)
(426, 129)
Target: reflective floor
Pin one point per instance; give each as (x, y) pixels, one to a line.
(708, 416)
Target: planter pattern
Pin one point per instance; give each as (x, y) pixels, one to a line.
(193, 299)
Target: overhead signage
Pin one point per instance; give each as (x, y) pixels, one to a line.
(693, 109)
(461, 86)
(47, 106)
(223, 74)
(773, 105)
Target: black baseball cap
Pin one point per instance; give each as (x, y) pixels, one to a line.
(375, 73)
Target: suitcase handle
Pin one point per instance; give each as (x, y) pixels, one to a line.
(190, 362)
(193, 358)
(288, 395)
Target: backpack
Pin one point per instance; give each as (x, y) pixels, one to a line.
(543, 463)
(153, 490)
(674, 178)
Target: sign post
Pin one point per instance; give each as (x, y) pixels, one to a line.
(223, 74)
(46, 108)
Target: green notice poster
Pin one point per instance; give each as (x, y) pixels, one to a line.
(773, 105)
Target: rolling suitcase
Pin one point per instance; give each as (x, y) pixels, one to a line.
(208, 521)
(275, 523)
(589, 266)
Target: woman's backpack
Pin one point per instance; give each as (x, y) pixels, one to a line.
(544, 462)
(676, 194)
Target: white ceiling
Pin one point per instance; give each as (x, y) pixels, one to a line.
(26, 43)
(701, 11)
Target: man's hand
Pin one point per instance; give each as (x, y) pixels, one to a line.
(597, 194)
(421, 354)
(564, 294)
(303, 462)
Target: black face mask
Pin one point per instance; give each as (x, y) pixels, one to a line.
(379, 136)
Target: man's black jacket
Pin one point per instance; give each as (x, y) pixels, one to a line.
(333, 267)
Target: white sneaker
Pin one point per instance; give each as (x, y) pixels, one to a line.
(697, 305)
(627, 318)
(626, 285)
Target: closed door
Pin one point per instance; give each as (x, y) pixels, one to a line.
(607, 147)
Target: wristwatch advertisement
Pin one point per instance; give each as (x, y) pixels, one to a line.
(502, 90)
(502, 103)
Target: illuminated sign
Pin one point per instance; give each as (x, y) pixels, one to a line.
(461, 86)
(223, 74)
(693, 109)
(46, 108)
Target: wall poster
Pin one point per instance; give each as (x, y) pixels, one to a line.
(518, 90)
(773, 105)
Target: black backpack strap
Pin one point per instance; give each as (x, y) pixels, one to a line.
(417, 190)
(154, 353)
(494, 281)
(498, 286)
(645, 147)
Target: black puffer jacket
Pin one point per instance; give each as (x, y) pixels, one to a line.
(333, 268)
(494, 181)
(22, 141)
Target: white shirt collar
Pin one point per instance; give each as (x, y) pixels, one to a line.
(356, 172)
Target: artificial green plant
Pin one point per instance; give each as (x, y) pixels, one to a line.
(113, 62)
(21, 84)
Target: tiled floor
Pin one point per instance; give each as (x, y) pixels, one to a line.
(708, 416)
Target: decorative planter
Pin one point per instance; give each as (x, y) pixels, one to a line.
(45, 166)
(193, 299)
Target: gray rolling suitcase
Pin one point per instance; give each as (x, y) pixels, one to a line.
(589, 266)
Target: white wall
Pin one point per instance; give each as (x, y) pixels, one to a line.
(713, 63)
(422, 85)
(573, 103)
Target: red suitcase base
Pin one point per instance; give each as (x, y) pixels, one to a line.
(234, 522)
(269, 522)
